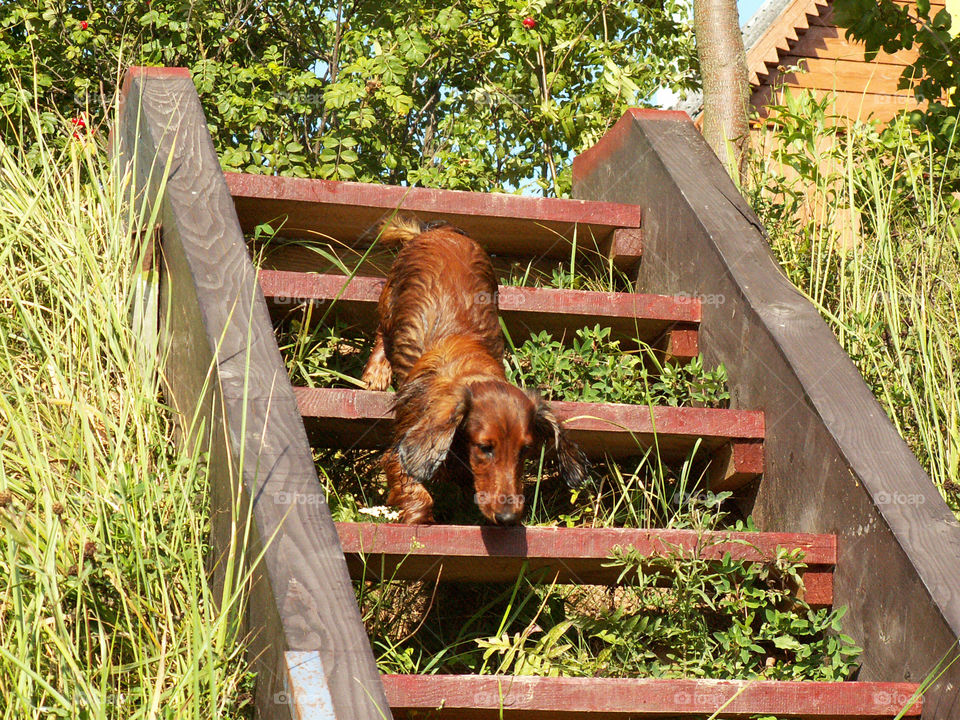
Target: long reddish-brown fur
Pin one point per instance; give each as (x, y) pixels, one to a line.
(457, 417)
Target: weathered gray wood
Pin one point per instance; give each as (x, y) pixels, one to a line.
(224, 368)
(834, 463)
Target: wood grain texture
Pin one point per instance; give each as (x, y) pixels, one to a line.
(501, 223)
(625, 250)
(793, 19)
(224, 368)
(457, 553)
(839, 75)
(541, 698)
(828, 42)
(852, 105)
(734, 465)
(680, 343)
(336, 417)
(525, 310)
(834, 463)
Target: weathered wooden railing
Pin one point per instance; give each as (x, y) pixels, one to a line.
(834, 462)
(224, 369)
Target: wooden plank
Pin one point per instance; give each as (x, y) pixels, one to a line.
(734, 465)
(567, 555)
(844, 75)
(779, 35)
(525, 310)
(503, 224)
(854, 106)
(337, 417)
(565, 698)
(833, 462)
(830, 43)
(680, 343)
(625, 249)
(224, 368)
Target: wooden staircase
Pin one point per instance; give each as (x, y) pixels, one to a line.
(729, 440)
(306, 640)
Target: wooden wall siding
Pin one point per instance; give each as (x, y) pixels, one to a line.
(851, 105)
(215, 317)
(832, 64)
(792, 21)
(834, 463)
(828, 42)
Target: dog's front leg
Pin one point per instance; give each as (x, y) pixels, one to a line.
(411, 497)
(377, 373)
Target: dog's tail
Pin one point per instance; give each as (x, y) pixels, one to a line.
(399, 229)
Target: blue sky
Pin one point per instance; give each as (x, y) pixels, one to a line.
(747, 9)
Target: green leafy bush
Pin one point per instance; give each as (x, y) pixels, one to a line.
(459, 95)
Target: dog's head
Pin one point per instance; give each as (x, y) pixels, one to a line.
(499, 426)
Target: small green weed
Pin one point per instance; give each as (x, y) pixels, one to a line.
(594, 368)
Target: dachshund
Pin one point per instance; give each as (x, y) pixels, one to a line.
(458, 419)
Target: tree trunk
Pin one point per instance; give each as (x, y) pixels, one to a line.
(726, 88)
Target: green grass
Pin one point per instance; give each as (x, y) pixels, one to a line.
(885, 275)
(105, 606)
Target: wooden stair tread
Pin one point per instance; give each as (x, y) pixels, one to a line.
(337, 417)
(484, 696)
(503, 224)
(459, 553)
(523, 309)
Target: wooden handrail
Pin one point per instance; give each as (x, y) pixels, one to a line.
(834, 462)
(224, 369)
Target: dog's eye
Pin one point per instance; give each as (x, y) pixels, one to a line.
(486, 449)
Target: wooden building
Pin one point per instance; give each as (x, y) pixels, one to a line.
(796, 44)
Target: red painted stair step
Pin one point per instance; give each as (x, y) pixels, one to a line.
(525, 310)
(476, 697)
(344, 418)
(457, 553)
(503, 224)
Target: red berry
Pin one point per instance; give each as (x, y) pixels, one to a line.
(79, 121)
(529, 23)
(83, 25)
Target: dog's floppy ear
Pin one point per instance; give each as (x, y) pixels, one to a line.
(425, 444)
(573, 463)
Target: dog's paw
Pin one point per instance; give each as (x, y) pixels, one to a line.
(377, 376)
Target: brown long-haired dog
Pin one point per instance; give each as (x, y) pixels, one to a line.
(457, 417)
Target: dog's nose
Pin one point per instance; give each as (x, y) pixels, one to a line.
(507, 517)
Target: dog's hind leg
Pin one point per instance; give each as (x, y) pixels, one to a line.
(377, 373)
(412, 499)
